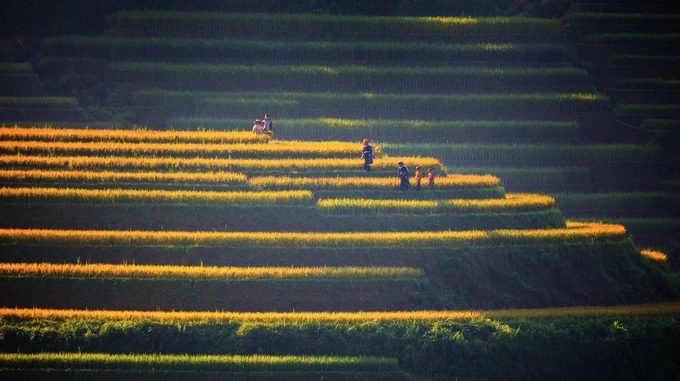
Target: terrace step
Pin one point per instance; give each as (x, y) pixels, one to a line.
(345, 78)
(271, 219)
(460, 274)
(136, 375)
(618, 205)
(207, 295)
(139, 367)
(393, 53)
(304, 27)
(394, 130)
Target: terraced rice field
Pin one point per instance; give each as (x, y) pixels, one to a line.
(210, 252)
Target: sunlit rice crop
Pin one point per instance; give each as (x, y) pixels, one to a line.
(654, 255)
(512, 202)
(129, 136)
(574, 232)
(202, 363)
(201, 272)
(273, 149)
(445, 182)
(293, 197)
(28, 313)
(351, 317)
(112, 176)
(157, 163)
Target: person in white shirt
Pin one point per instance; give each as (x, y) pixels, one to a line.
(258, 129)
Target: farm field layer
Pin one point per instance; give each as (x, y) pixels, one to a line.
(574, 232)
(620, 204)
(220, 24)
(274, 216)
(118, 196)
(276, 148)
(297, 104)
(387, 78)
(208, 272)
(241, 294)
(228, 49)
(119, 178)
(203, 363)
(511, 202)
(19, 68)
(388, 335)
(209, 164)
(531, 154)
(394, 130)
(451, 181)
(50, 134)
(39, 102)
(452, 186)
(670, 308)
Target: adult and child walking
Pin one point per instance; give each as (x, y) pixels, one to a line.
(402, 170)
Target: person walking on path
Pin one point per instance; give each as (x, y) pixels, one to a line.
(418, 177)
(430, 178)
(402, 174)
(367, 155)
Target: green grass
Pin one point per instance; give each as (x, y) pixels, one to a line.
(529, 154)
(291, 105)
(663, 202)
(667, 125)
(222, 363)
(395, 130)
(659, 39)
(344, 77)
(38, 102)
(648, 83)
(479, 347)
(220, 24)
(532, 176)
(7, 68)
(652, 109)
(620, 18)
(401, 53)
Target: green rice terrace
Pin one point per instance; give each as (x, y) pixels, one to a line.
(147, 233)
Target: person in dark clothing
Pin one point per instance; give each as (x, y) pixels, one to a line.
(267, 124)
(402, 174)
(367, 155)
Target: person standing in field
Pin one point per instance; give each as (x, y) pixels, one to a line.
(268, 125)
(257, 127)
(402, 174)
(367, 155)
(418, 177)
(430, 178)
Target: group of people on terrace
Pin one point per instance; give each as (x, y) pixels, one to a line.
(402, 171)
(265, 126)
